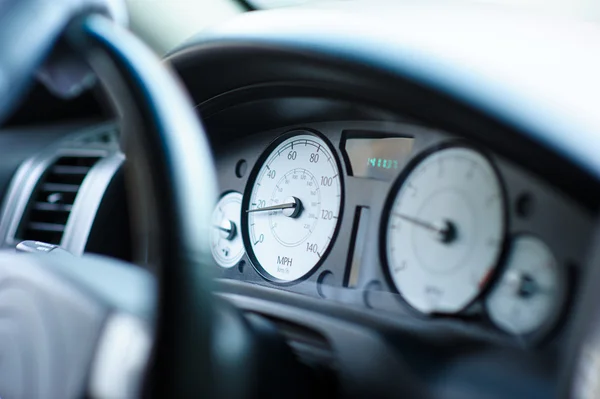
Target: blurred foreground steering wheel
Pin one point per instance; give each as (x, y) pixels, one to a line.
(79, 327)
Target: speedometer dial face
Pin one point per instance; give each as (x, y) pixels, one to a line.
(293, 208)
(445, 230)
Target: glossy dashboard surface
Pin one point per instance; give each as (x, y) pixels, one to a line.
(355, 269)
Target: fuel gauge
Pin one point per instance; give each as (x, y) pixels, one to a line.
(531, 291)
(226, 238)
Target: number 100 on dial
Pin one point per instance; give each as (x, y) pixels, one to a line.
(293, 206)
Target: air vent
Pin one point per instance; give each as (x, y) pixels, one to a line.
(53, 198)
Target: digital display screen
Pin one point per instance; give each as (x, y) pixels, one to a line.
(378, 158)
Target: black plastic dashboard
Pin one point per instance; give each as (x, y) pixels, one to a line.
(327, 313)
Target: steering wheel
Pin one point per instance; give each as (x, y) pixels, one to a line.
(93, 326)
(71, 327)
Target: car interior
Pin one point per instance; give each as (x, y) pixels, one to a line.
(267, 198)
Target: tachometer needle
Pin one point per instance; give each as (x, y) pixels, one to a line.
(444, 231)
(291, 207)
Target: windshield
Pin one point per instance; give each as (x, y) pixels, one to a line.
(167, 23)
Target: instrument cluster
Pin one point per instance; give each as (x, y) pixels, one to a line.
(399, 219)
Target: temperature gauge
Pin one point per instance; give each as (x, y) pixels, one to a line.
(227, 245)
(529, 294)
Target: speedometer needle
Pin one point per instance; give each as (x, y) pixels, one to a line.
(287, 205)
(291, 207)
(445, 231)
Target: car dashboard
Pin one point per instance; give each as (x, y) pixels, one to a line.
(367, 215)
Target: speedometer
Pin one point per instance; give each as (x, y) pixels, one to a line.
(445, 230)
(293, 206)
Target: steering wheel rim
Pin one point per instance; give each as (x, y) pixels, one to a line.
(173, 154)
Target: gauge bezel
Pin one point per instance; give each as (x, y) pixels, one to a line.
(412, 164)
(551, 323)
(248, 192)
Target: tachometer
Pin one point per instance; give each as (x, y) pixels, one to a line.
(445, 230)
(292, 209)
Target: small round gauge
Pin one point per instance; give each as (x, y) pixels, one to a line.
(528, 294)
(445, 230)
(227, 245)
(293, 206)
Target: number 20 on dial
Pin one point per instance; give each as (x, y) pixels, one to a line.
(293, 206)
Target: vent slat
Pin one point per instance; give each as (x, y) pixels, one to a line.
(57, 187)
(46, 206)
(58, 228)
